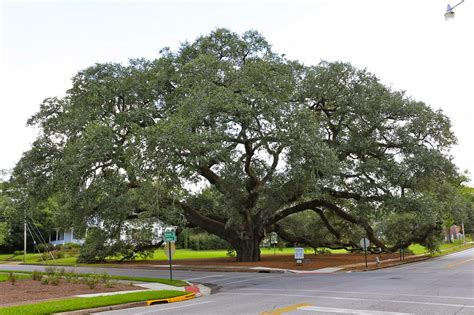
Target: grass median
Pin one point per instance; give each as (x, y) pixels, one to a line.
(73, 304)
(176, 283)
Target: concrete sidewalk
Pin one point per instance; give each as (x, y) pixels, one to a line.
(199, 289)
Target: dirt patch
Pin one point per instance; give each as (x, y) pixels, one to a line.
(311, 261)
(28, 291)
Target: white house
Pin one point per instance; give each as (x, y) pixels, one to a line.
(60, 237)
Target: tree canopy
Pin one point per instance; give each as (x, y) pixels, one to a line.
(228, 135)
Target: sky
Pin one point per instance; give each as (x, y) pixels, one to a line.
(407, 44)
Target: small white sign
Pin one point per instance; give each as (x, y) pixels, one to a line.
(274, 238)
(299, 253)
(364, 243)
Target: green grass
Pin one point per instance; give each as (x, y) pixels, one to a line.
(34, 259)
(72, 304)
(4, 276)
(177, 283)
(444, 248)
(205, 254)
(182, 254)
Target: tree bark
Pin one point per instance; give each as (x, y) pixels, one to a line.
(248, 250)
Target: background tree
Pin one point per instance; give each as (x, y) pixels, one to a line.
(229, 136)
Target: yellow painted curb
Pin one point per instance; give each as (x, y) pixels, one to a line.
(181, 298)
(285, 309)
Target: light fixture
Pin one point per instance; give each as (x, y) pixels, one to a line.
(449, 15)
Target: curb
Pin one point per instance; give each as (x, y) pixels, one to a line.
(360, 267)
(104, 308)
(203, 268)
(181, 298)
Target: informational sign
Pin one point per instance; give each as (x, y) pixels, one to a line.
(274, 238)
(169, 235)
(169, 252)
(364, 243)
(299, 253)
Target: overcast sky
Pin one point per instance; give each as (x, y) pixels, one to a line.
(408, 44)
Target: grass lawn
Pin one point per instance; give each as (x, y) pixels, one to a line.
(4, 276)
(159, 255)
(72, 304)
(445, 248)
(194, 254)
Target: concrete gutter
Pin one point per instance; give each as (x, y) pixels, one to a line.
(104, 308)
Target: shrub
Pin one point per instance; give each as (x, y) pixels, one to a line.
(68, 277)
(54, 279)
(322, 251)
(105, 277)
(55, 254)
(92, 280)
(45, 247)
(12, 278)
(36, 275)
(50, 270)
(75, 278)
(71, 246)
(110, 283)
(45, 280)
(230, 252)
(18, 253)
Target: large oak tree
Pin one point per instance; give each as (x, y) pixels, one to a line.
(227, 135)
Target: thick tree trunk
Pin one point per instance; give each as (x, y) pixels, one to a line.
(248, 250)
(448, 230)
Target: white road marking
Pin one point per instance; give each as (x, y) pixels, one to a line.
(347, 311)
(174, 307)
(204, 277)
(350, 299)
(366, 293)
(248, 279)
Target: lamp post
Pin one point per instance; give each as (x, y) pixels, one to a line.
(449, 15)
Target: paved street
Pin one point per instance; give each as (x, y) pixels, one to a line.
(443, 285)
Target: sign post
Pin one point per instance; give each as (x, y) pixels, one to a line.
(274, 241)
(364, 243)
(169, 236)
(299, 255)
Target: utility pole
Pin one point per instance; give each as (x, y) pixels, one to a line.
(24, 241)
(463, 234)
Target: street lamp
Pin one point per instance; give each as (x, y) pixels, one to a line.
(449, 15)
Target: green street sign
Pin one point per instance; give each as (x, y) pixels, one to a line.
(169, 236)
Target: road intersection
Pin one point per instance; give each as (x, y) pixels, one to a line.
(443, 285)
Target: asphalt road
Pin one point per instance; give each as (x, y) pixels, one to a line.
(443, 285)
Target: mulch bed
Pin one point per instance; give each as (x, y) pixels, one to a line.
(278, 261)
(28, 291)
